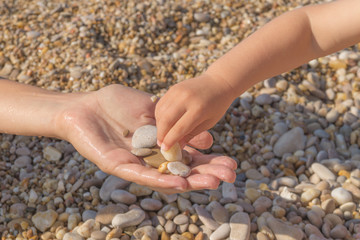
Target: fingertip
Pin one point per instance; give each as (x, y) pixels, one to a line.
(164, 147)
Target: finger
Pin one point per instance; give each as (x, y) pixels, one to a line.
(203, 140)
(181, 128)
(202, 181)
(219, 171)
(200, 159)
(149, 177)
(123, 164)
(166, 116)
(200, 143)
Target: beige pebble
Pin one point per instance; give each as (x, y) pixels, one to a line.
(173, 154)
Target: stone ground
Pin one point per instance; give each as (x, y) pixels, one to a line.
(295, 136)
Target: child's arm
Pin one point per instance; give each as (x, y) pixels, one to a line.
(288, 41)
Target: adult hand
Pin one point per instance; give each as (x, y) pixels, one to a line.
(94, 123)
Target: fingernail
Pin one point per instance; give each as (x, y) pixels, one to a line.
(158, 142)
(179, 188)
(164, 147)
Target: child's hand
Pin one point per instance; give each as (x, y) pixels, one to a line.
(191, 107)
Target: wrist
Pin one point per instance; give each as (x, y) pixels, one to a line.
(227, 88)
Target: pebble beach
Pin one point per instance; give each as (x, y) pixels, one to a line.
(295, 136)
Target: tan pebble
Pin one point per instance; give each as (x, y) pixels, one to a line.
(145, 237)
(263, 186)
(194, 218)
(154, 98)
(344, 173)
(125, 133)
(155, 159)
(199, 236)
(29, 233)
(310, 194)
(252, 194)
(163, 167)
(115, 233)
(261, 236)
(164, 236)
(173, 154)
(141, 152)
(267, 232)
(24, 225)
(63, 217)
(188, 235)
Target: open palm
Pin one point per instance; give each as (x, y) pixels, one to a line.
(95, 123)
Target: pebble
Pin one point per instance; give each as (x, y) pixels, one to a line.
(144, 137)
(338, 232)
(173, 154)
(72, 236)
(201, 17)
(98, 235)
(323, 172)
(44, 220)
(131, 218)
(111, 183)
(22, 161)
(52, 154)
(206, 218)
(253, 174)
(32, 34)
(89, 226)
(199, 198)
(314, 218)
(107, 213)
(280, 128)
(221, 232)
(239, 226)
(139, 190)
(123, 196)
(341, 195)
(229, 191)
(88, 214)
(263, 99)
(155, 159)
(283, 231)
(141, 152)
(179, 169)
(332, 115)
(146, 232)
(150, 204)
(290, 142)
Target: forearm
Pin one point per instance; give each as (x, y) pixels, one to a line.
(28, 110)
(289, 41)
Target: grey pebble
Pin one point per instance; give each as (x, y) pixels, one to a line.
(131, 218)
(206, 218)
(141, 152)
(179, 169)
(144, 137)
(123, 196)
(111, 183)
(201, 17)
